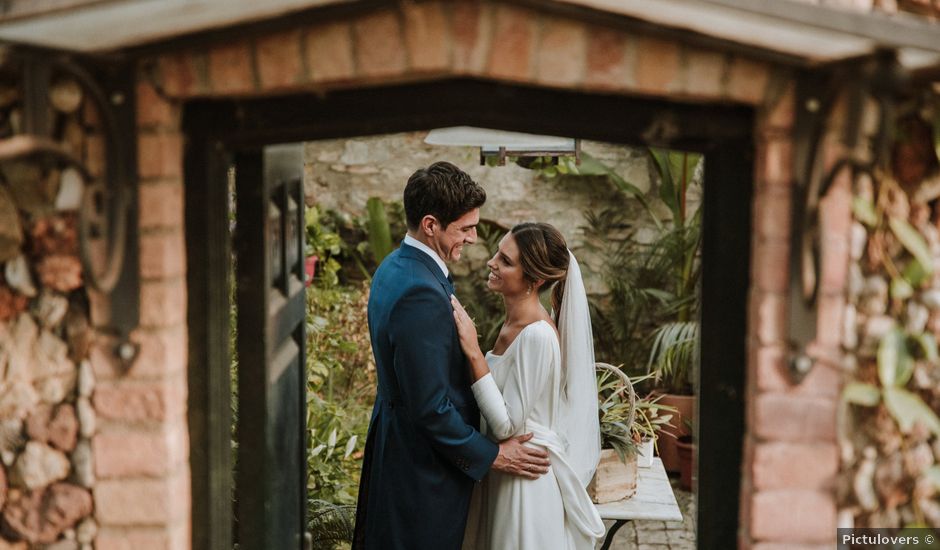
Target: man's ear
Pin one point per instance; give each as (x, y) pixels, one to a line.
(429, 225)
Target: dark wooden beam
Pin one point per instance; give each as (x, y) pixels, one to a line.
(208, 283)
(615, 118)
(721, 389)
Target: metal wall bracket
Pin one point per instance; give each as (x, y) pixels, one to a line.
(108, 217)
(879, 77)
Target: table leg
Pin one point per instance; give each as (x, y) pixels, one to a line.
(613, 531)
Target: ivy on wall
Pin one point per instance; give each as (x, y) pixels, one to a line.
(890, 429)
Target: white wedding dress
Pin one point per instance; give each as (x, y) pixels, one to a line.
(525, 393)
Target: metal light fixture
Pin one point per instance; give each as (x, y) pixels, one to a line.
(107, 216)
(500, 144)
(880, 78)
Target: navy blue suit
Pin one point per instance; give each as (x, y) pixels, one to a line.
(424, 451)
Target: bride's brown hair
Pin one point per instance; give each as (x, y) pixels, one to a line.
(543, 255)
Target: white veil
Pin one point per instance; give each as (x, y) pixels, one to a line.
(581, 426)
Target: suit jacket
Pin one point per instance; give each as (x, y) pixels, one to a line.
(424, 451)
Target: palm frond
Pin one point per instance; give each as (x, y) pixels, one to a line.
(330, 524)
(674, 353)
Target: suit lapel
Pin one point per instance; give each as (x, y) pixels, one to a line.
(413, 253)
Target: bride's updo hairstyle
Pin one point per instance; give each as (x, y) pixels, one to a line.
(543, 255)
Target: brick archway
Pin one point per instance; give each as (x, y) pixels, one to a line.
(431, 41)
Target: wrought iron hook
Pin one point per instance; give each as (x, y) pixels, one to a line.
(881, 79)
(115, 197)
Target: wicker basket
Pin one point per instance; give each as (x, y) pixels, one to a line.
(615, 480)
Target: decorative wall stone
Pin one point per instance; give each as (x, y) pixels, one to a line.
(42, 516)
(44, 331)
(38, 466)
(885, 463)
(86, 531)
(58, 427)
(50, 309)
(83, 467)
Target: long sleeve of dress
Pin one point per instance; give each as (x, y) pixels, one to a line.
(535, 359)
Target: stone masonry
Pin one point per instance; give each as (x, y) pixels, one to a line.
(47, 420)
(343, 174)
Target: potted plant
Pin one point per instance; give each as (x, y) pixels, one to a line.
(649, 318)
(672, 364)
(685, 447)
(616, 475)
(650, 418)
(674, 356)
(629, 426)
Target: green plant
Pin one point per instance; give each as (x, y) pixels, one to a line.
(551, 167)
(650, 416)
(323, 242)
(674, 354)
(898, 352)
(330, 525)
(337, 435)
(339, 389)
(652, 282)
(889, 225)
(378, 230)
(626, 419)
(639, 298)
(362, 241)
(616, 410)
(339, 354)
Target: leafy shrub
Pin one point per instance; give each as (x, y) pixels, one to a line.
(353, 246)
(341, 378)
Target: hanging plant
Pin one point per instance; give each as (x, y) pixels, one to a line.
(897, 354)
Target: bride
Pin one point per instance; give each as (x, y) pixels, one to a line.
(538, 378)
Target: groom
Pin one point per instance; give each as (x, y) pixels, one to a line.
(424, 451)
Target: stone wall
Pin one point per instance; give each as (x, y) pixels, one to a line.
(890, 455)
(47, 420)
(343, 174)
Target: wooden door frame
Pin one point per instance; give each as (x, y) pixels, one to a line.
(215, 129)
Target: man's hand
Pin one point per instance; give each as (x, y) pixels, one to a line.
(517, 459)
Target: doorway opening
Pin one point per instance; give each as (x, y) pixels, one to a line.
(225, 133)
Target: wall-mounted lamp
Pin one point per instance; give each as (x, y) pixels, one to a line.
(500, 144)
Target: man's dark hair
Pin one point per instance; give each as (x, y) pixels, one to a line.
(441, 190)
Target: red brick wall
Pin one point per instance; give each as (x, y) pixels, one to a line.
(141, 449)
(791, 450)
(783, 505)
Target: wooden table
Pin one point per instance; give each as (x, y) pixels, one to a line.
(654, 500)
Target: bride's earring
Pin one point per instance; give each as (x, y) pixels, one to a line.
(529, 290)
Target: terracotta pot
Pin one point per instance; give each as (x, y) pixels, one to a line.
(310, 268)
(613, 479)
(686, 451)
(676, 426)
